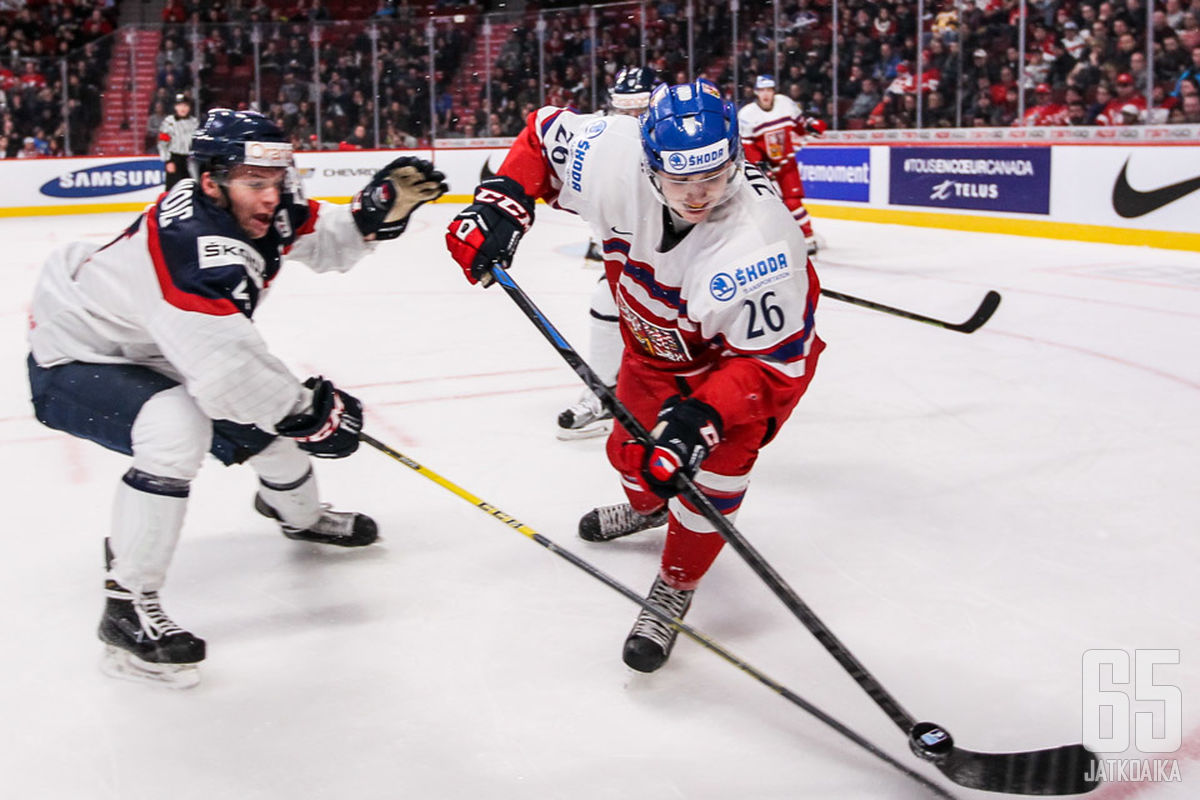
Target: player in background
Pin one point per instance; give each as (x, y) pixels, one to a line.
(630, 95)
(175, 140)
(588, 417)
(772, 131)
(146, 346)
(717, 300)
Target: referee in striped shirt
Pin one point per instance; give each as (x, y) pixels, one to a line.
(175, 139)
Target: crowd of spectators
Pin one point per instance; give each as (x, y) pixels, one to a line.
(38, 38)
(1084, 62)
(572, 74)
(333, 106)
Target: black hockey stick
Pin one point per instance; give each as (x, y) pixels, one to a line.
(674, 622)
(991, 301)
(1056, 770)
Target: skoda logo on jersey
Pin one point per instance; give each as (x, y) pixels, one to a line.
(722, 286)
(700, 159)
(118, 178)
(596, 128)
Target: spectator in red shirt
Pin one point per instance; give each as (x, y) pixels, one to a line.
(31, 78)
(1000, 88)
(96, 25)
(174, 11)
(1045, 111)
(1126, 95)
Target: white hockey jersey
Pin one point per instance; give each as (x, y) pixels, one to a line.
(737, 293)
(773, 136)
(175, 292)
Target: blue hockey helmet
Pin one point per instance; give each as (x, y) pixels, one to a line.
(690, 132)
(631, 89)
(688, 129)
(228, 138)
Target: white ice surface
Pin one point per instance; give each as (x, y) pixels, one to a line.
(968, 513)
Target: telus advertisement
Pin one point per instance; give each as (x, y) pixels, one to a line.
(979, 178)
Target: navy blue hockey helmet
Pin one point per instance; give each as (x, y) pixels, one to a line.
(631, 89)
(689, 128)
(228, 138)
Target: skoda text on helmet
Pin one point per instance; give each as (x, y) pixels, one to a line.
(689, 134)
(228, 138)
(631, 90)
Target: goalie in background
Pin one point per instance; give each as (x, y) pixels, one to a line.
(146, 346)
(587, 417)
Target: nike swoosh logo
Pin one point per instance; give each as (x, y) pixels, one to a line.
(1130, 203)
(485, 171)
(621, 233)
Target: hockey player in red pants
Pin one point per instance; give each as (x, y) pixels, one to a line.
(716, 297)
(772, 130)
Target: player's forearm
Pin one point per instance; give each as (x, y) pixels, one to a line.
(330, 241)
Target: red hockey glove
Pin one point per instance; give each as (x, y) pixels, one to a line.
(686, 432)
(488, 230)
(815, 127)
(330, 429)
(381, 210)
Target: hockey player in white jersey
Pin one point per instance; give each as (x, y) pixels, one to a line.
(772, 131)
(717, 301)
(146, 346)
(587, 418)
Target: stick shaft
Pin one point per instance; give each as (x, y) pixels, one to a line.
(679, 625)
(725, 528)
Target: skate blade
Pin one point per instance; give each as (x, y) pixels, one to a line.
(590, 431)
(118, 663)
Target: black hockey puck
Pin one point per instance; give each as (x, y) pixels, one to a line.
(929, 741)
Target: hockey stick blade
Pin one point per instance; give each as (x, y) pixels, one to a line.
(991, 301)
(1053, 771)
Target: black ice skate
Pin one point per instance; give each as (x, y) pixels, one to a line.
(606, 523)
(143, 644)
(342, 528)
(813, 247)
(593, 251)
(585, 419)
(651, 640)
